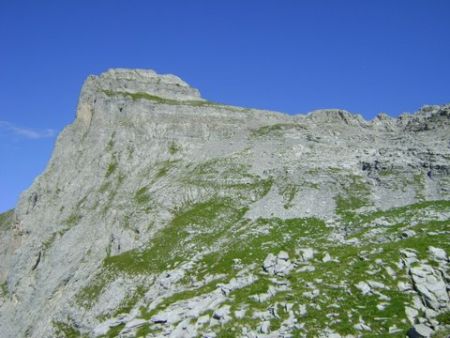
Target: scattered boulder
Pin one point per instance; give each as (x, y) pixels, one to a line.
(437, 254)
(408, 233)
(431, 286)
(222, 314)
(420, 331)
(361, 326)
(264, 327)
(305, 254)
(404, 286)
(159, 319)
(326, 258)
(376, 285)
(411, 314)
(135, 323)
(277, 265)
(364, 288)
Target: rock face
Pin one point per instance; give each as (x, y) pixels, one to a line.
(163, 214)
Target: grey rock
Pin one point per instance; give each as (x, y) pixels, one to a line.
(420, 331)
(277, 265)
(437, 254)
(146, 147)
(305, 254)
(431, 286)
(265, 327)
(364, 288)
(159, 319)
(408, 233)
(411, 314)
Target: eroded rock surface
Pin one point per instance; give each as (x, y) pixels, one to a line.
(163, 214)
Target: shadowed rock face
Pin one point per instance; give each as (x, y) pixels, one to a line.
(161, 213)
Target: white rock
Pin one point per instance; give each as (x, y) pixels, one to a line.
(135, 323)
(306, 268)
(394, 329)
(305, 254)
(239, 314)
(327, 258)
(101, 329)
(362, 327)
(283, 255)
(375, 284)
(363, 287)
(158, 319)
(437, 254)
(430, 284)
(420, 331)
(411, 314)
(403, 286)
(265, 327)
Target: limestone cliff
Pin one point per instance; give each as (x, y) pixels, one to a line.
(163, 214)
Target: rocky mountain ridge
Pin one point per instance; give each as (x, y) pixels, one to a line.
(163, 214)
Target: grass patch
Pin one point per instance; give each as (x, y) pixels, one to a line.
(208, 220)
(112, 167)
(87, 297)
(67, 330)
(142, 196)
(444, 318)
(278, 129)
(174, 148)
(158, 99)
(73, 219)
(6, 219)
(4, 289)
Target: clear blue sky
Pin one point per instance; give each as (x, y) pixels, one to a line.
(291, 56)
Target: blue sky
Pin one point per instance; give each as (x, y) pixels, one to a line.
(290, 56)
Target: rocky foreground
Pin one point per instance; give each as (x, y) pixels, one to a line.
(162, 214)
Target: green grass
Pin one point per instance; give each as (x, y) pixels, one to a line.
(171, 244)
(4, 289)
(87, 297)
(114, 331)
(6, 219)
(230, 176)
(356, 194)
(174, 148)
(289, 192)
(73, 219)
(110, 144)
(142, 196)
(163, 168)
(158, 99)
(173, 102)
(49, 242)
(217, 227)
(112, 167)
(278, 129)
(65, 330)
(444, 318)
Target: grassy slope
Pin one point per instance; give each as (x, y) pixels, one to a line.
(219, 224)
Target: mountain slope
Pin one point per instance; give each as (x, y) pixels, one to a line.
(163, 214)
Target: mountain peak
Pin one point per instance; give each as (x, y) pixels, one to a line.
(146, 81)
(133, 82)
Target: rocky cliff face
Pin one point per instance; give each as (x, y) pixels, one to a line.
(163, 214)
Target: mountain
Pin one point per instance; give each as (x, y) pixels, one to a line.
(163, 214)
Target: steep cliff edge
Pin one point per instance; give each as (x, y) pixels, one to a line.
(161, 213)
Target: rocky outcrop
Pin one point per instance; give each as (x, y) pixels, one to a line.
(163, 214)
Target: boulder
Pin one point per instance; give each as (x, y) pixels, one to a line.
(420, 331)
(437, 254)
(305, 254)
(431, 286)
(364, 288)
(277, 265)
